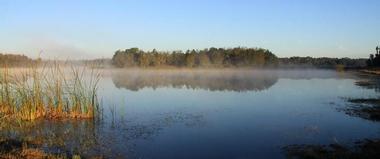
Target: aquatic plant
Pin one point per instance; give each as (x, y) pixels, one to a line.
(364, 149)
(366, 108)
(49, 91)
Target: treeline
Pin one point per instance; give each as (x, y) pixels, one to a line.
(212, 57)
(206, 58)
(320, 62)
(374, 60)
(11, 60)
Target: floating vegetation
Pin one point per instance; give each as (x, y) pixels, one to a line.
(368, 81)
(364, 83)
(67, 138)
(367, 108)
(366, 149)
(51, 91)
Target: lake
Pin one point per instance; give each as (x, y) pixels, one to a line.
(211, 114)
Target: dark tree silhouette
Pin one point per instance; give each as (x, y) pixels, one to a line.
(374, 60)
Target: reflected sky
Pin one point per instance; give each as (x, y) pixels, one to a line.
(221, 114)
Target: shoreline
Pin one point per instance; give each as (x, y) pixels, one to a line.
(373, 72)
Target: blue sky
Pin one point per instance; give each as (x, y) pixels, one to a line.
(91, 29)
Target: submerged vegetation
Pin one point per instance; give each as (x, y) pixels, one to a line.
(366, 108)
(49, 91)
(366, 149)
(46, 138)
(12, 149)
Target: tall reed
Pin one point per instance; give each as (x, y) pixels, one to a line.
(49, 91)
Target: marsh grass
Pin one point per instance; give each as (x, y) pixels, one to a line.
(13, 149)
(49, 91)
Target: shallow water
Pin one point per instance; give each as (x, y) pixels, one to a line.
(212, 114)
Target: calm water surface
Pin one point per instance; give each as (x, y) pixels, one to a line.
(213, 114)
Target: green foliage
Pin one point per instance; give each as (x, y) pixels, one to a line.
(190, 59)
(321, 62)
(213, 57)
(204, 60)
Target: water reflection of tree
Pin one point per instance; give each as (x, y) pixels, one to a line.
(207, 80)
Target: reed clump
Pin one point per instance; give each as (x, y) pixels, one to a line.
(51, 91)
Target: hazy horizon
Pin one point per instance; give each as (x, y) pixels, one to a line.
(96, 29)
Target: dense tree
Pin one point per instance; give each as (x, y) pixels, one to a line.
(217, 58)
(11, 60)
(321, 62)
(213, 57)
(190, 58)
(126, 58)
(120, 59)
(204, 60)
(231, 57)
(143, 60)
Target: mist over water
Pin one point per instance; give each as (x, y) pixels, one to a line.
(213, 79)
(157, 113)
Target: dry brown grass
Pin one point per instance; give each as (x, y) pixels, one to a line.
(49, 92)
